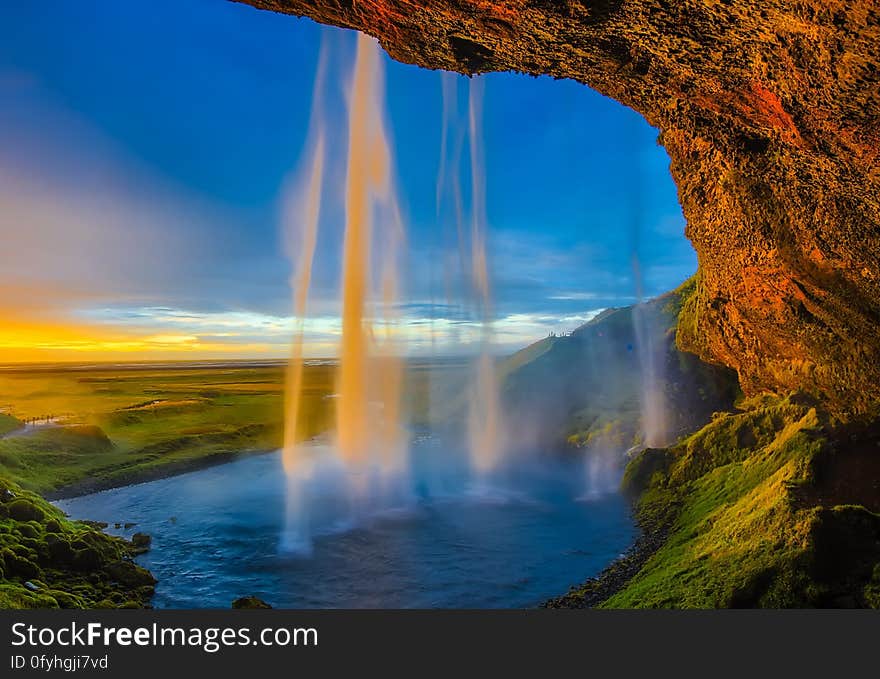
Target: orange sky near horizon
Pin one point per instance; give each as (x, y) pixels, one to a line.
(35, 341)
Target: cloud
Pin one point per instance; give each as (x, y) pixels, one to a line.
(575, 296)
(65, 247)
(83, 223)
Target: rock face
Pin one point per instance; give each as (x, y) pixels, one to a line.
(770, 113)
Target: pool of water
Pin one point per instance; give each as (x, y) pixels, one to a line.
(526, 536)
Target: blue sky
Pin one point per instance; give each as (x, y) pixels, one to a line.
(147, 145)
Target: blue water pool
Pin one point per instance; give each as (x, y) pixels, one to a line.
(216, 535)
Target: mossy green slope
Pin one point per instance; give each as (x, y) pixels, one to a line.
(738, 498)
(47, 561)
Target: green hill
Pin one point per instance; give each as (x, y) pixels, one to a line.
(594, 384)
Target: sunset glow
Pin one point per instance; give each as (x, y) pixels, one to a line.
(129, 232)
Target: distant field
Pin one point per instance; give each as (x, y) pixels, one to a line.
(119, 423)
(116, 424)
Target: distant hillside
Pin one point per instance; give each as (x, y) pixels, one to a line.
(588, 388)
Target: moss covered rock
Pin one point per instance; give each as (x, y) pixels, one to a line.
(60, 550)
(47, 561)
(129, 574)
(16, 566)
(251, 602)
(141, 541)
(29, 530)
(25, 509)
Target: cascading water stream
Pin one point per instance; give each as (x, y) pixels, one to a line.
(300, 235)
(300, 283)
(368, 418)
(650, 356)
(484, 429)
(649, 346)
(369, 446)
(484, 417)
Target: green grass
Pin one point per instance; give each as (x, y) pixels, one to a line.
(739, 535)
(8, 423)
(124, 424)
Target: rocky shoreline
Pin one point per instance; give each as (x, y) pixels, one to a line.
(614, 577)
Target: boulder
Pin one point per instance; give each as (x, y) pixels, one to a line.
(250, 602)
(22, 509)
